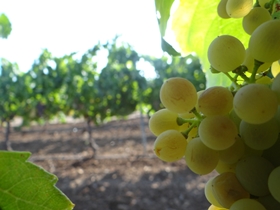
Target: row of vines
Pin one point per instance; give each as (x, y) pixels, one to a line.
(75, 86)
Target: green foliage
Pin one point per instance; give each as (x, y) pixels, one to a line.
(5, 26)
(196, 24)
(26, 186)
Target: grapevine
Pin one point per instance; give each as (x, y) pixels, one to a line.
(232, 130)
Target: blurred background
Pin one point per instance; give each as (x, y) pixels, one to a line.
(78, 83)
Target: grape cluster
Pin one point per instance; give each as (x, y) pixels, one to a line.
(233, 130)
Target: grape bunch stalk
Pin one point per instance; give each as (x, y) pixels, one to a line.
(231, 130)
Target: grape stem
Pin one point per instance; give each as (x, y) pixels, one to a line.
(186, 132)
(233, 80)
(257, 64)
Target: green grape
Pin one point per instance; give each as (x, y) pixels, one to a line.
(234, 117)
(265, 80)
(223, 167)
(251, 152)
(221, 9)
(249, 63)
(255, 103)
(215, 100)
(263, 2)
(226, 53)
(198, 95)
(252, 172)
(247, 204)
(269, 202)
(178, 95)
(275, 86)
(199, 158)
(212, 207)
(209, 193)
(218, 132)
(272, 154)
(275, 68)
(255, 18)
(274, 183)
(259, 136)
(163, 120)
(170, 146)
(232, 154)
(239, 8)
(227, 189)
(264, 43)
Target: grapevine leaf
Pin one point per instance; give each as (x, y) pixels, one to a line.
(196, 24)
(163, 7)
(166, 47)
(24, 185)
(5, 26)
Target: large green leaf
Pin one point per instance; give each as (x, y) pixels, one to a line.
(24, 185)
(196, 24)
(5, 26)
(163, 8)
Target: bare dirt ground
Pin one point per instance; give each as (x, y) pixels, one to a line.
(122, 177)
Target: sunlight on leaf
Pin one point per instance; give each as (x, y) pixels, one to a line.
(5, 26)
(196, 24)
(163, 8)
(24, 185)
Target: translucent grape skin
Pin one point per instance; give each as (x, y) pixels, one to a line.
(218, 132)
(264, 43)
(221, 9)
(215, 100)
(227, 189)
(246, 204)
(274, 184)
(253, 172)
(226, 53)
(255, 18)
(212, 207)
(170, 146)
(239, 8)
(199, 158)
(275, 68)
(255, 103)
(178, 95)
(275, 86)
(163, 120)
(209, 193)
(259, 136)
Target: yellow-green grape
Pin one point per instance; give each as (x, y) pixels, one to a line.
(170, 146)
(272, 154)
(259, 136)
(264, 43)
(239, 8)
(198, 94)
(252, 172)
(234, 117)
(232, 154)
(226, 53)
(269, 202)
(225, 167)
(251, 152)
(255, 18)
(218, 132)
(247, 204)
(275, 86)
(192, 134)
(163, 120)
(265, 80)
(212, 207)
(255, 103)
(249, 63)
(200, 158)
(209, 193)
(275, 68)
(274, 183)
(221, 9)
(215, 100)
(178, 95)
(263, 2)
(227, 189)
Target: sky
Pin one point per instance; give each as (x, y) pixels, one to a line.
(66, 26)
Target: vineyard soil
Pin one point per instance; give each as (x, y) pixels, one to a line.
(121, 177)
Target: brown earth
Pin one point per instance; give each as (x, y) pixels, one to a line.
(122, 176)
